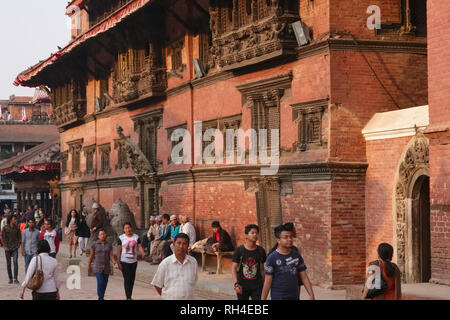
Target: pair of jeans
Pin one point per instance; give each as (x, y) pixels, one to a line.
(28, 258)
(82, 243)
(255, 294)
(43, 295)
(129, 275)
(14, 255)
(102, 282)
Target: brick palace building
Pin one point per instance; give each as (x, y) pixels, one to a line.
(351, 104)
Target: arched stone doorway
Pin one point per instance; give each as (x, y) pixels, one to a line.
(412, 212)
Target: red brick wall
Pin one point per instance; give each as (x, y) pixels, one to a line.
(379, 191)
(439, 92)
(357, 95)
(308, 207)
(348, 249)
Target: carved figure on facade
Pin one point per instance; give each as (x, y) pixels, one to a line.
(111, 234)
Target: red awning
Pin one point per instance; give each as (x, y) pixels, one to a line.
(31, 168)
(93, 32)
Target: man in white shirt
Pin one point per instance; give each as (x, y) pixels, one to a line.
(189, 229)
(176, 276)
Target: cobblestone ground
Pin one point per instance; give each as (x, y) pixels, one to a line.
(88, 291)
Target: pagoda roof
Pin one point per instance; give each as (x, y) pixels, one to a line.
(28, 77)
(43, 157)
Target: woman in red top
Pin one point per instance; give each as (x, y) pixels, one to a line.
(390, 272)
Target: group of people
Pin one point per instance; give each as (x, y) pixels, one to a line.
(169, 242)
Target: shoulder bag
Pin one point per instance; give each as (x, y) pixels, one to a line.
(38, 278)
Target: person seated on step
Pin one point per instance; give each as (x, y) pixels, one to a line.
(220, 240)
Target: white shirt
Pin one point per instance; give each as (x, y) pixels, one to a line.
(50, 237)
(189, 229)
(51, 273)
(4, 221)
(129, 248)
(176, 279)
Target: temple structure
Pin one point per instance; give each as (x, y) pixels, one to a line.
(135, 71)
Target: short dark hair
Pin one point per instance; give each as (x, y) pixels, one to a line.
(215, 224)
(127, 223)
(278, 230)
(166, 216)
(43, 246)
(250, 227)
(181, 236)
(99, 230)
(31, 220)
(50, 222)
(289, 226)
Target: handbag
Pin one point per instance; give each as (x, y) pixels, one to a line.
(38, 278)
(375, 292)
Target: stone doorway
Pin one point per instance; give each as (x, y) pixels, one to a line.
(411, 203)
(420, 231)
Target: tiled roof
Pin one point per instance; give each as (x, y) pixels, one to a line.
(27, 133)
(42, 157)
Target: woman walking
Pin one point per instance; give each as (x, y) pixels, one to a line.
(83, 233)
(127, 247)
(101, 256)
(71, 228)
(390, 273)
(50, 286)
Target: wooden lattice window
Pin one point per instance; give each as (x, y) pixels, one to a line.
(204, 46)
(147, 125)
(105, 151)
(309, 117)
(122, 157)
(75, 151)
(64, 158)
(89, 153)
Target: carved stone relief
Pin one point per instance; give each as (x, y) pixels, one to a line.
(415, 158)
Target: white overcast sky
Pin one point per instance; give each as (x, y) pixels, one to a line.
(30, 30)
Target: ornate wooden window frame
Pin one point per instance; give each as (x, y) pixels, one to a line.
(105, 158)
(122, 157)
(173, 143)
(75, 147)
(89, 153)
(309, 115)
(175, 51)
(64, 158)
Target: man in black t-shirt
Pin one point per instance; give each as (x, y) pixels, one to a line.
(248, 266)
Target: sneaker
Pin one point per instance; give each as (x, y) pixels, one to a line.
(16, 281)
(10, 281)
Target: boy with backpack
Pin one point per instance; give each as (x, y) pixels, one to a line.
(248, 266)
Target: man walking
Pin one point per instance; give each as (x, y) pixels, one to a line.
(248, 266)
(30, 239)
(176, 276)
(282, 269)
(97, 220)
(11, 241)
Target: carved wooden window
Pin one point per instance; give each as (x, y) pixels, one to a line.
(175, 50)
(89, 153)
(122, 157)
(413, 20)
(147, 125)
(204, 47)
(75, 151)
(104, 89)
(105, 151)
(173, 143)
(64, 158)
(309, 116)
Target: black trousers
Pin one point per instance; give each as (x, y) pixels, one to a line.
(14, 255)
(255, 294)
(43, 295)
(129, 275)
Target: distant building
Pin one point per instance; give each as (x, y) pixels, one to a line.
(17, 137)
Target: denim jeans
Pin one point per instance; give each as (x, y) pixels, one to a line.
(28, 258)
(102, 282)
(14, 255)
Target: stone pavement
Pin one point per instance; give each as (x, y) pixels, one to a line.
(209, 286)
